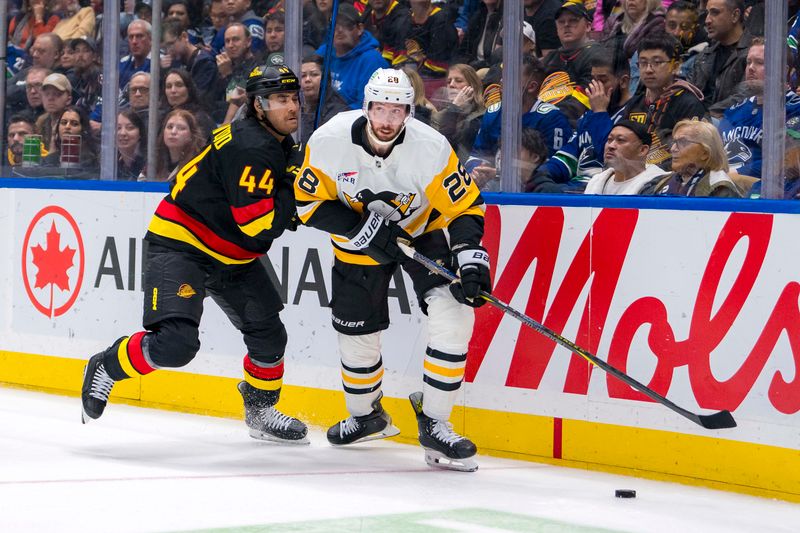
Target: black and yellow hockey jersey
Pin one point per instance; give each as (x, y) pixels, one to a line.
(232, 199)
(420, 185)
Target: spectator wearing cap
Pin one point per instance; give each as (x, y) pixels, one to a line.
(46, 52)
(541, 15)
(699, 164)
(720, 67)
(431, 42)
(626, 169)
(20, 125)
(355, 56)
(56, 96)
(569, 69)
(180, 53)
(87, 79)
(76, 21)
(389, 22)
(139, 36)
(482, 35)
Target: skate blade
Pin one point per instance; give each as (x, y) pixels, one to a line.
(388, 431)
(439, 460)
(260, 435)
(85, 418)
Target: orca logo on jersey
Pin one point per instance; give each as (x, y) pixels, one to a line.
(738, 154)
(390, 205)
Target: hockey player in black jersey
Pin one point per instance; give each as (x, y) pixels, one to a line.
(224, 209)
(369, 177)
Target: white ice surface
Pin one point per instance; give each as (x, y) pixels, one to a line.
(143, 470)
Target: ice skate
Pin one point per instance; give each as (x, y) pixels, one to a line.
(444, 448)
(375, 425)
(266, 422)
(97, 385)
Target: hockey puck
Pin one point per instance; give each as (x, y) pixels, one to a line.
(625, 493)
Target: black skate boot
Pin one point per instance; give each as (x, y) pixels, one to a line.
(376, 425)
(97, 385)
(266, 422)
(444, 448)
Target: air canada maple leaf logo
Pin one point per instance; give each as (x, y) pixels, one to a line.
(52, 261)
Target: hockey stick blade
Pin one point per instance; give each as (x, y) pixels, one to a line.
(718, 420)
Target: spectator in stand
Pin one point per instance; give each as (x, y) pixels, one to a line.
(28, 100)
(638, 19)
(180, 10)
(532, 152)
(34, 19)
(218, 18)
(423, 108)
(234, 64)
(178, 142)
(541, 15)
(627, 171)
(742, 125)
(74, 121)
(719, 68)
(45, 53)
(87, 80)
(681, 23)
(310, 83)
(139, 42)
(56, 96)
(699, 164)
(68, 57)
(460, 119)
(20, 125)
(666, 100)
(139, 95)
(355, 56)
(389, 22)
(131, 149)
(239, 11)
(274, 36)
(482, 35)
(582, 156)
(544, 117)
(430, 44)
(181, 54)
(465, 12)
(77, 19)
(180, 92)
(569, 69)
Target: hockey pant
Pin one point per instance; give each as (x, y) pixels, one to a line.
(449, 328)
(176, 284)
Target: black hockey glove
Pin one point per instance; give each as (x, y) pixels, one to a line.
(471, 263)
(377, 237)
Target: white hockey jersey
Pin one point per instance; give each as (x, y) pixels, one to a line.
(420, 184)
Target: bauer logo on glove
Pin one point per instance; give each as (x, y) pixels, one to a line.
(471, 263)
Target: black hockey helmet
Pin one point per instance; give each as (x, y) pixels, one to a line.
(270, 79)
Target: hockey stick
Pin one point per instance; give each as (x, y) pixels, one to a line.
(718, 420)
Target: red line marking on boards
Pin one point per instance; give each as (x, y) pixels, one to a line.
(557, 438)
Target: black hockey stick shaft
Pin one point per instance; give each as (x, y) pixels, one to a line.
(718, 420)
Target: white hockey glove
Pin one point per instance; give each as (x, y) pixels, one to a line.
(471, 263)
(377, 237)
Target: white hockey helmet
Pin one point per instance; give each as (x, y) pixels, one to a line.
(391, 86)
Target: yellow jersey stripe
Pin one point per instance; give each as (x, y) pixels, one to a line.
(176, 232)
(258, 225)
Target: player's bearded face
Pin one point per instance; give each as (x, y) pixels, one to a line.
(386, 120)
(283, 111)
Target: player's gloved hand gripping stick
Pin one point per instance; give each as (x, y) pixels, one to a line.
(718, 420)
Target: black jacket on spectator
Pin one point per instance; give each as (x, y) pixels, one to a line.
(543, 23)
(436, 40)
(391, 30)
(460, 127)
(577, 63)
(717, 81)
(468, 51)
(203, 68)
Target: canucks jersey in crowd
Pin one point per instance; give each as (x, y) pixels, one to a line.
(742, 129)
(546, 118)
(256, 27)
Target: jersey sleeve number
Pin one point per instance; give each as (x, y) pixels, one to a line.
(248, 181)
(457, 184)
(308, 182)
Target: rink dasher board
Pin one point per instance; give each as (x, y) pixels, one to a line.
(719, 287)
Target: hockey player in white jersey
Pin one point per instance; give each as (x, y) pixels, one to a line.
(367, 178)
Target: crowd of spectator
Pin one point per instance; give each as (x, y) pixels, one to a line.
(660, 97)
